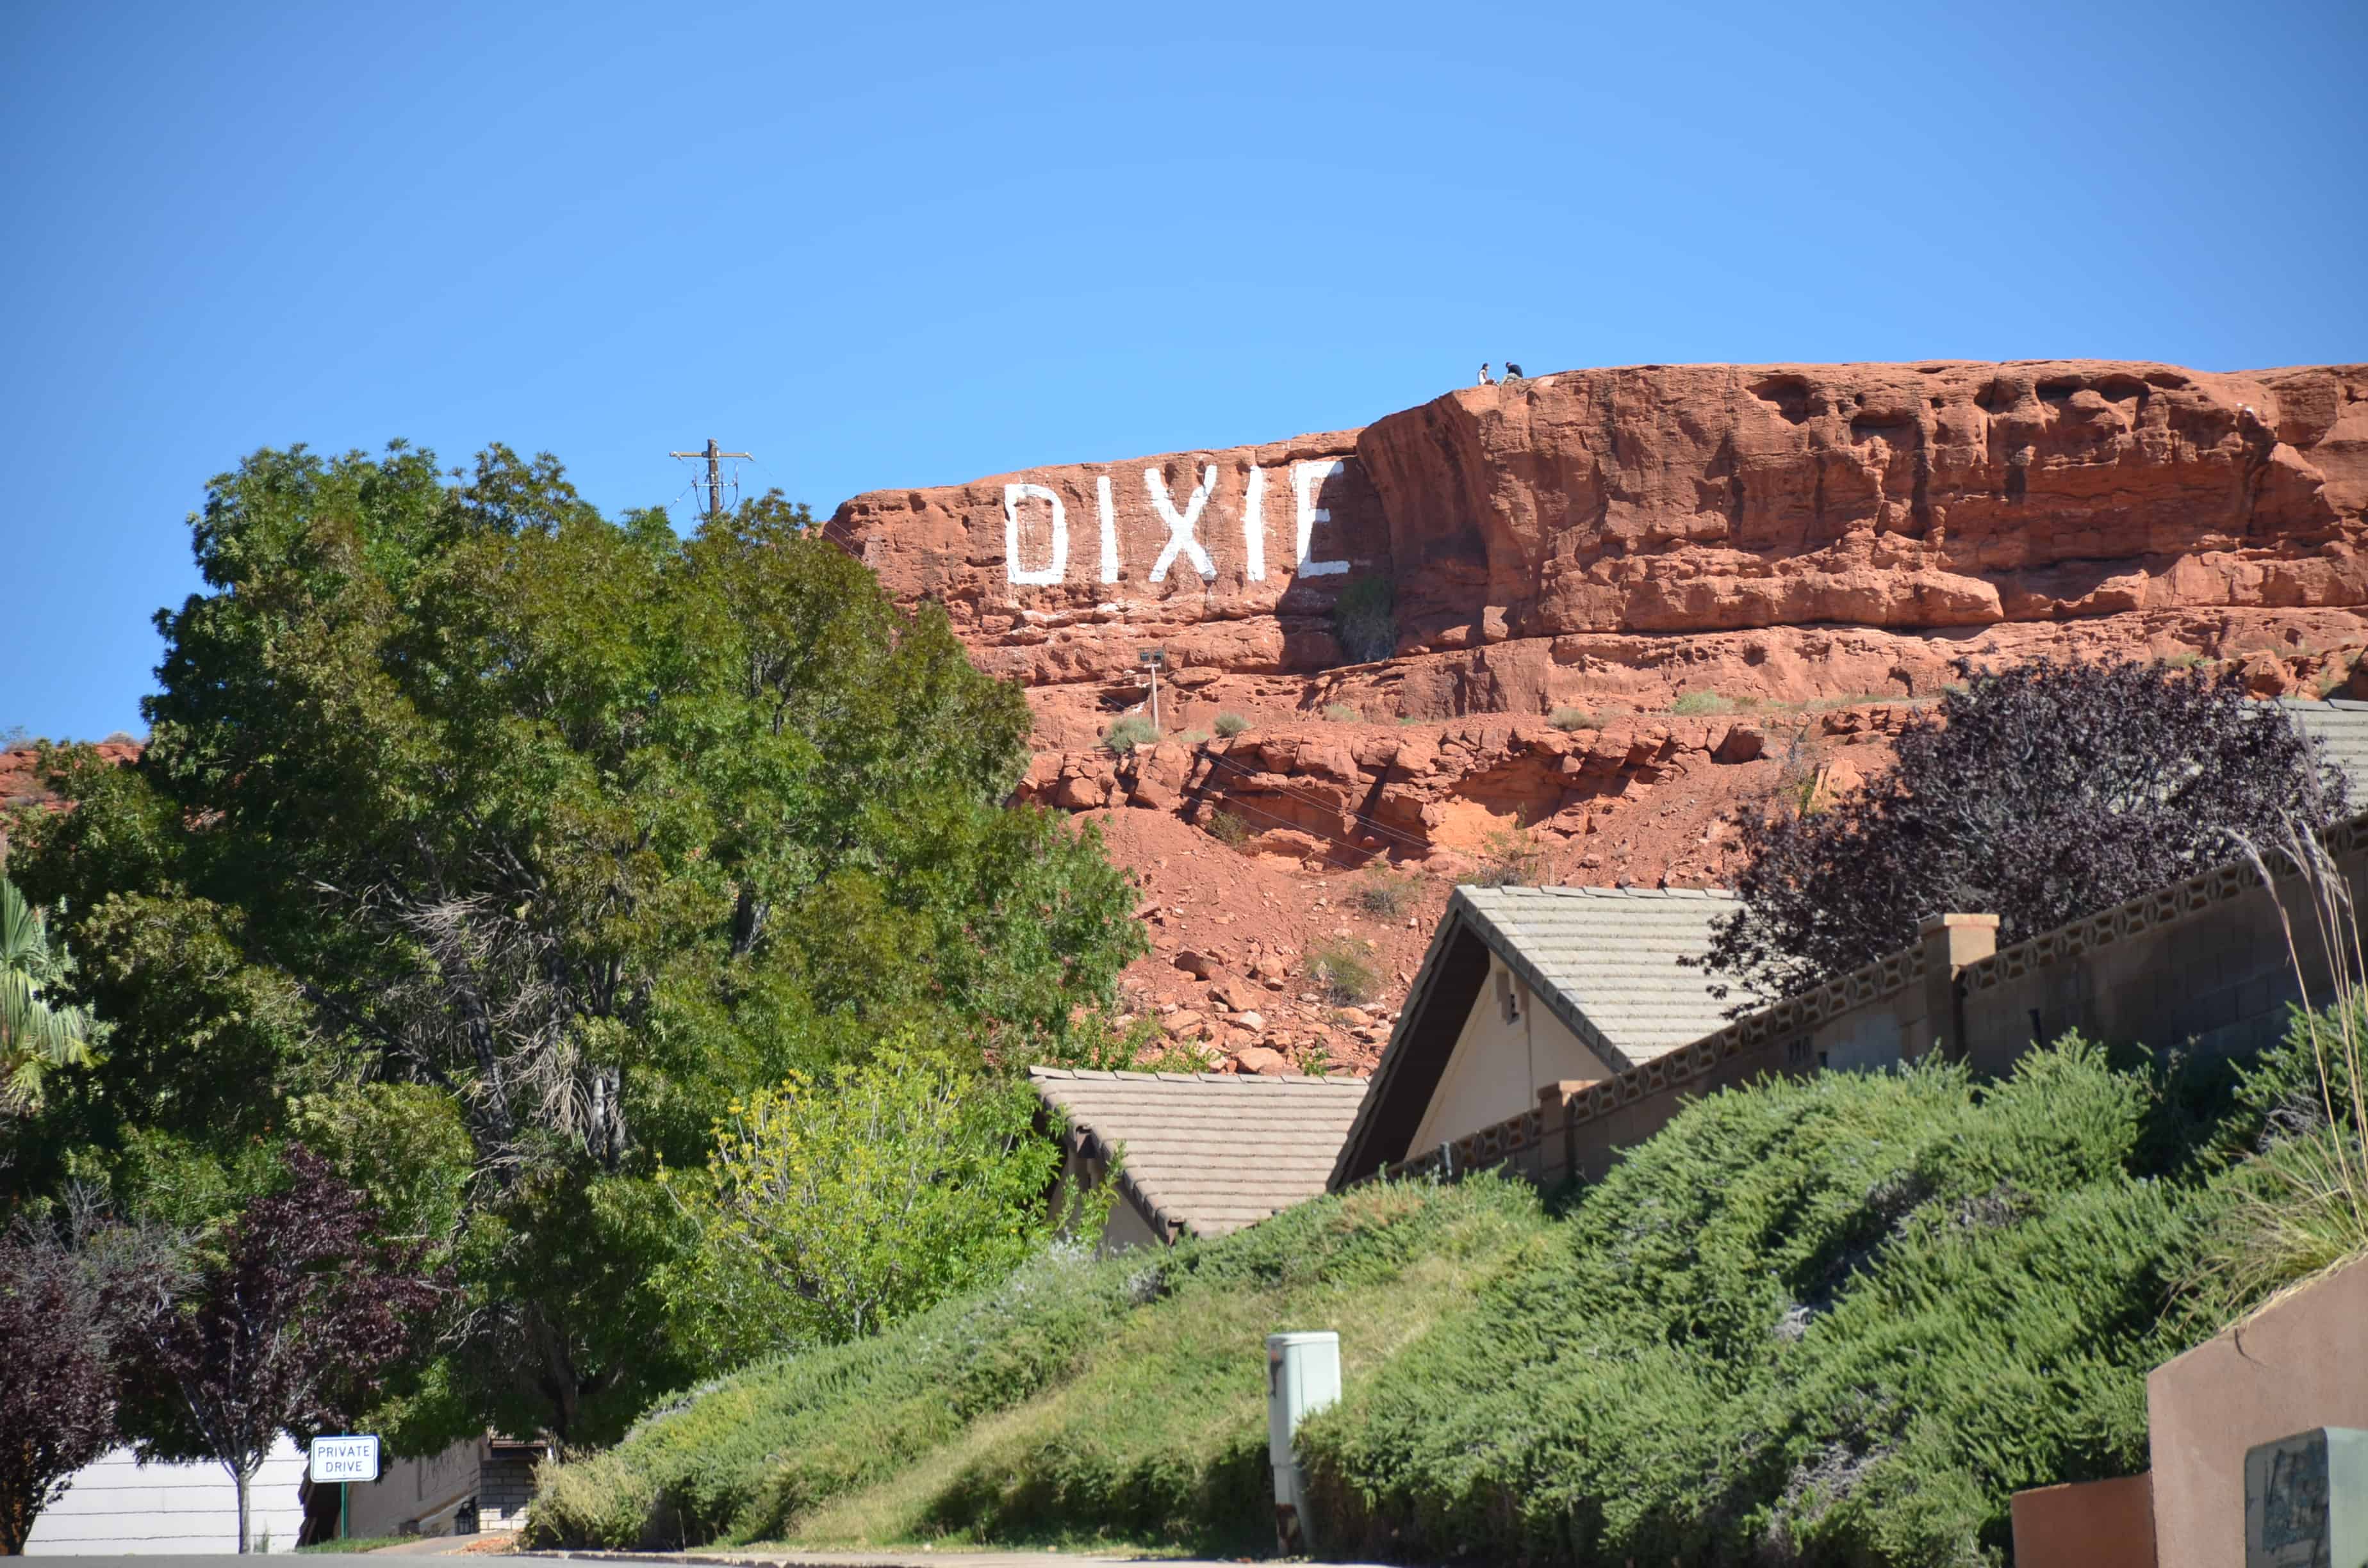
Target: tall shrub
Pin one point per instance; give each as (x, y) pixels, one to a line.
(1364, 620)
(67, 1295)
(2039, 794)
(832, 1206)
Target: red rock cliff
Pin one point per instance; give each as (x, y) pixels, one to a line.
(1789, 530)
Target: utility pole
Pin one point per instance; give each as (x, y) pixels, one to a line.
(714, 472)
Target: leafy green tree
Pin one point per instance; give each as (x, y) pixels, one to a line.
(579, 825)
(832, 1206)
(38, 1033)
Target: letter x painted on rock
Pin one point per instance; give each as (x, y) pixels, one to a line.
(1179, 529)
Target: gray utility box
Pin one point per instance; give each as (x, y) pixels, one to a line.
(1302, 1376)
(2306, 1500)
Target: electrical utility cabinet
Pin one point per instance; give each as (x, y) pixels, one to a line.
(1302, 1376)
(2306, 1500)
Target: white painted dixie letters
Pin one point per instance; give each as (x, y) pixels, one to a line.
(1183, 528)
(1109, 528)
(1254, 528)
(1012, 496)
(1179, 529)
(1307, 479)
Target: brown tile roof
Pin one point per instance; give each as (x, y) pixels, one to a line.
(1208, 1153)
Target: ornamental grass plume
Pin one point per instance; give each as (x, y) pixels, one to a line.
(2304, 1212)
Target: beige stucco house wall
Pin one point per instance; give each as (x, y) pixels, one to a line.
(1527, 990)
(1508, 1047)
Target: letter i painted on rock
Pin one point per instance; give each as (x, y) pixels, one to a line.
(1109, 528)
(1012, 496)
(1179, 529)
(1254, 526)
(1307, 479)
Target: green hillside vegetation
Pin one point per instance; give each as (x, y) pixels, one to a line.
(1837, 1320)
(1079, 1400)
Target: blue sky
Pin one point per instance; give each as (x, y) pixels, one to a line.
(888, 246)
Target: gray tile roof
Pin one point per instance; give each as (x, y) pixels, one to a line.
(1208, 1153)
(2340, 728)
(1605, 960)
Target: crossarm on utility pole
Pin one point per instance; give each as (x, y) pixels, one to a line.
(714, 472)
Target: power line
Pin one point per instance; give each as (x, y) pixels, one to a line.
(715, 473)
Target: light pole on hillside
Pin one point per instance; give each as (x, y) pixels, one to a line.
(1151, 659)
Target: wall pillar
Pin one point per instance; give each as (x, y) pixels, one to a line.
(1951, 942)
(1558, 1109)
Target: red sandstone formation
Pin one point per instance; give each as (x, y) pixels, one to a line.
(1621, 536)
(1808, 549)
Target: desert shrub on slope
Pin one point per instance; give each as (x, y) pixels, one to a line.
(1834, 1320)
(1838, 1320)
(1079, 1399)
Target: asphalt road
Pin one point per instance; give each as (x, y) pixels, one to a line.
(908, 1558)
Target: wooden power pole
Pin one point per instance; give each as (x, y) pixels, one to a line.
(714, 472)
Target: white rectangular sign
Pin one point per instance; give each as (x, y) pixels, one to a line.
(345, 1459)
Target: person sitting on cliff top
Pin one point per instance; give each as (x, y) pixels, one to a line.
(1512, 371)
(1486, 379)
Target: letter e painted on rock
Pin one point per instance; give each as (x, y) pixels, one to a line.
(1012, 496)
(1305, 479)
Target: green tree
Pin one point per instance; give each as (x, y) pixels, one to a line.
(580, 825)
(37, 1034)
(835, 1205)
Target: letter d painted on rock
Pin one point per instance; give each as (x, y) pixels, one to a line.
(1012, 496)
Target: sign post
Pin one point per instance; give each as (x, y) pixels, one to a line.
(344, 1460)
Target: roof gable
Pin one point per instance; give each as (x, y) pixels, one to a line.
(1603, 961)
(1208, 1153)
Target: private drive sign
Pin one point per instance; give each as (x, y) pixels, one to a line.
(345, 1459)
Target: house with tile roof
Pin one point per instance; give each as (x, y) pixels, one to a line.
(1524, 988)
(1198, 1153)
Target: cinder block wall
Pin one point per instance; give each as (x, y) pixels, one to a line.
(2204, 964)
(505, 1487)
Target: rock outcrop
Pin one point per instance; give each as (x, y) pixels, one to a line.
(1330, 794)
(1740, 581)
(1789, 532)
